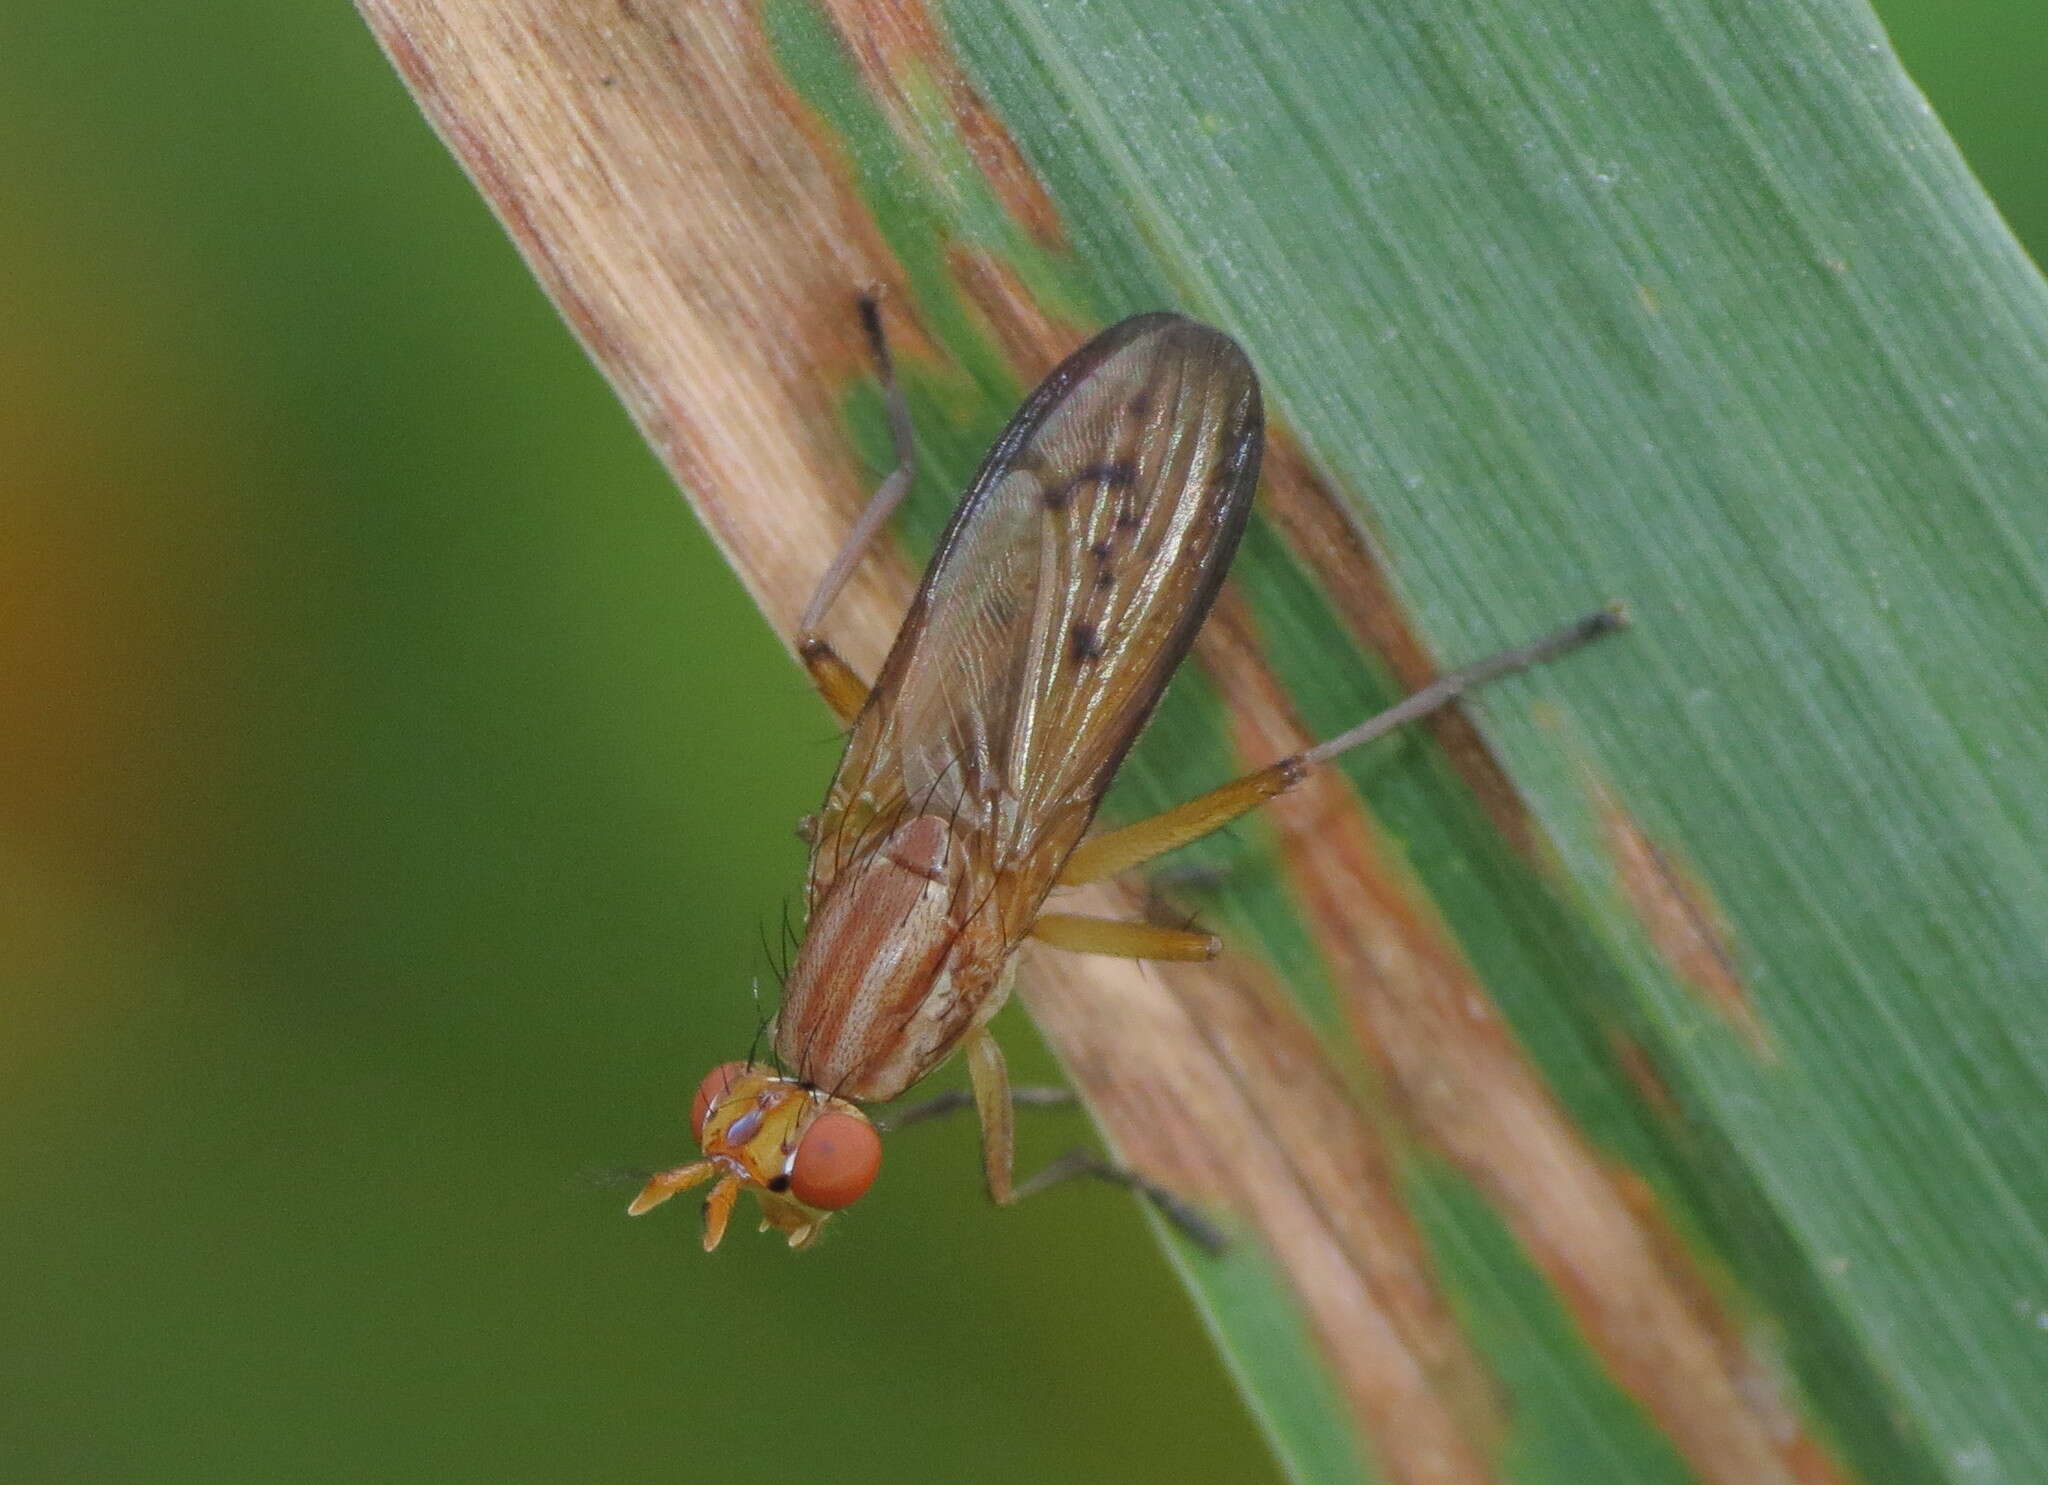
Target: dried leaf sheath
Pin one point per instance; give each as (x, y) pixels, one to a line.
(1066, 590)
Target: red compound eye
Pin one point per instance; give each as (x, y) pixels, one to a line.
(714, 1085)
(836, 1161)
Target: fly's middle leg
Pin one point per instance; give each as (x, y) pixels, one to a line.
(843, 690)
(1125, 939)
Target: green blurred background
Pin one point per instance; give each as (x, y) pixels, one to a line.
(394, 788)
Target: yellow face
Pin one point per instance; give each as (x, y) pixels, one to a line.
(806, 1153)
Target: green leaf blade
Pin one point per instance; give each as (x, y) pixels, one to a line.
(1695, 307)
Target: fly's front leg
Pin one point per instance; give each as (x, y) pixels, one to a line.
(1193, 1226)
(844, 691)
(1117, 851)
(990, 1078)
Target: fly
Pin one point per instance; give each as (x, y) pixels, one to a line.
(1065, 591)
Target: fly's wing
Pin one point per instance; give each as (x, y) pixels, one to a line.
(1066, 590)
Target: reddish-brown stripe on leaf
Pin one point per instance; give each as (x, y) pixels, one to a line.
(1680, 919)
(1330, 543)
(1472, 1095)
(901, 51)
(1211, 1084)
(1033, 341)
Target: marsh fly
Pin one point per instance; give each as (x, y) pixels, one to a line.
(1067, 587)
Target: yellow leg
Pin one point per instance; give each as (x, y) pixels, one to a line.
(1116, 851)
(1125, 940)
(990, 1076)
(845, 692)
(991, 1080)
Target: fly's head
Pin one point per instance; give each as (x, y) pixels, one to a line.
(804, 1152)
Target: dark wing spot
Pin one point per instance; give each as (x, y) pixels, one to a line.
(1087, 642)
(1115, 475)
(1104, 552)
(1140, 406)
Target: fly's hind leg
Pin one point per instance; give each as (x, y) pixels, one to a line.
(1116, 851)
(843, 690)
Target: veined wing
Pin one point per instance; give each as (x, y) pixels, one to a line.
(1065, 591)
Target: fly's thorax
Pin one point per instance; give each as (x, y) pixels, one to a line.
(889, 976)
